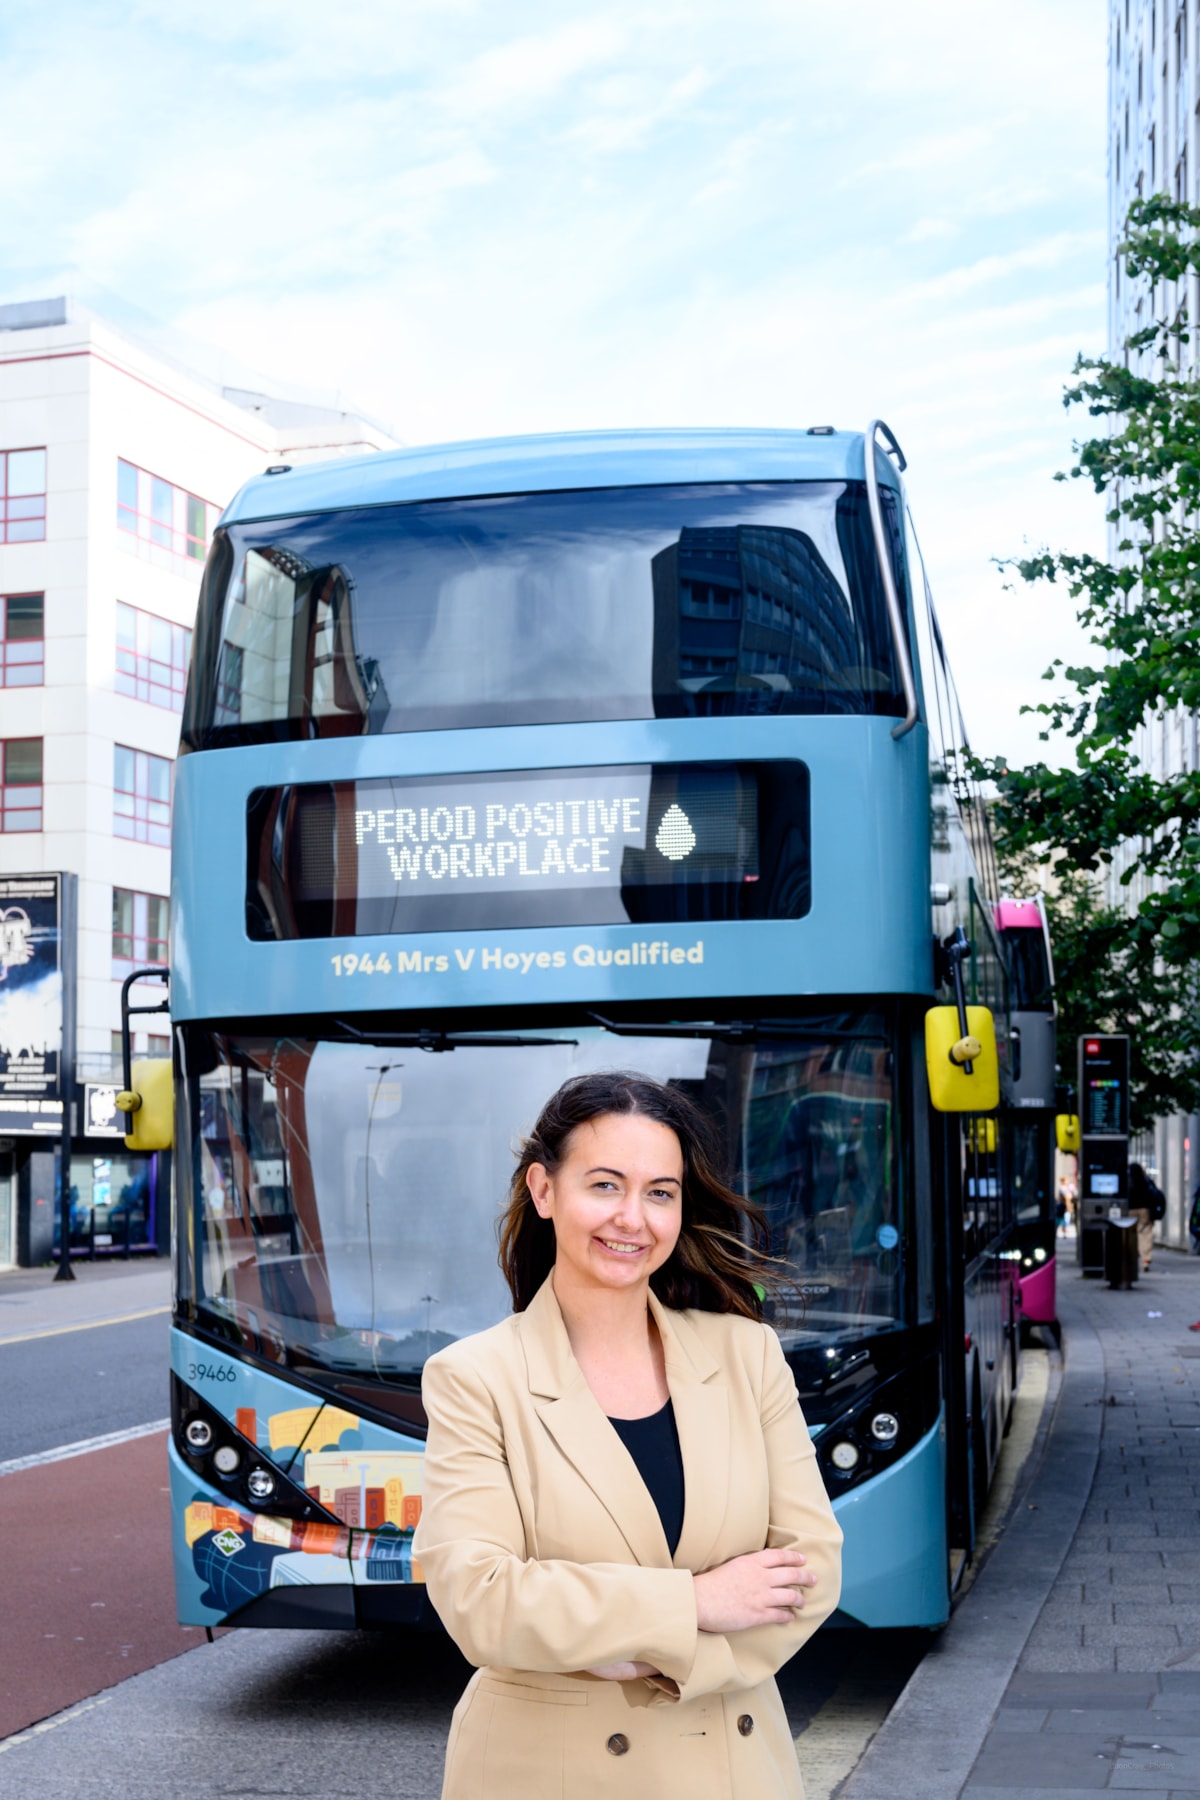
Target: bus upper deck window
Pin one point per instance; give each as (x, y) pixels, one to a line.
(621, 603)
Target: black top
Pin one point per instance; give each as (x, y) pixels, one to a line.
(653, 1444)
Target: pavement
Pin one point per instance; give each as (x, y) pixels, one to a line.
(34, 1304)
(1073, 1665)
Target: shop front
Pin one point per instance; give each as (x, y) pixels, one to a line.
(120, 1199)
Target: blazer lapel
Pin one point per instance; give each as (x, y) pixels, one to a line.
(571, 1414)
(701, 1401)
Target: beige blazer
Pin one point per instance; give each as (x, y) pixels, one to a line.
(544, 1554)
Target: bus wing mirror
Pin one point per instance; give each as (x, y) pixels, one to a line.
(149, 1105)
(1066, 1133)
(981, 1136)
(963, 1068)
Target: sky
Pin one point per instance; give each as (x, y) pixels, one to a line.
(472, 219)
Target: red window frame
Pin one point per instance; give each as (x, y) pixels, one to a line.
(160, 512)
(22, 516)
(136, 947)
(22, 660)
(142, 796)
(20, 801)
(158, 679)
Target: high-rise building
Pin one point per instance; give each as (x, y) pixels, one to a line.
(1153, 148)
(115, 464)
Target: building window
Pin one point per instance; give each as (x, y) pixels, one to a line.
(152, 658)
(22, 640)
(140, 1043)
(22, 496)
(21, 784)
(141, 796)
(160, 513)
(229, 685)
(140, 930)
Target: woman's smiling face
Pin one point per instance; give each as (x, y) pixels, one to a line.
(615, 1200)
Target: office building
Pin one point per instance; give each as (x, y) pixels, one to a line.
(1154, 93)
(115, 464)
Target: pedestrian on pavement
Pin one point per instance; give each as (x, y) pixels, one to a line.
(624, 1527)
(1194, 1221)
(1147, 1203)
(1060, 1209)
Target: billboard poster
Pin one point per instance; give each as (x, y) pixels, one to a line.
(31, 1003)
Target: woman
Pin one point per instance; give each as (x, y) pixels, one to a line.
(624, 1526)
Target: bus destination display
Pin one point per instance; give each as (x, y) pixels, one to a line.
(641, 844)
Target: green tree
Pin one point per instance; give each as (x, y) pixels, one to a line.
(1104, 981)
(1132, 968)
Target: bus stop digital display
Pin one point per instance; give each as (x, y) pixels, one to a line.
(630, 845)
(1104, 1084)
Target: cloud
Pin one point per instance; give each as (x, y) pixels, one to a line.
(626, 119)
(482, 220)
(531, 69)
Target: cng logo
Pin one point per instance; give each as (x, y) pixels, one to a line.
(228, 1542)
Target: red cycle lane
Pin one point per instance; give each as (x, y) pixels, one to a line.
(88, 1596)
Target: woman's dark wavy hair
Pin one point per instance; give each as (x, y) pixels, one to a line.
(719, 1263)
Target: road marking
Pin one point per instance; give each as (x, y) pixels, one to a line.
(26, 1337)
(83, 1447)
(63, 1718)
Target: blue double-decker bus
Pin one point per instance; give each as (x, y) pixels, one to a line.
(510, 760)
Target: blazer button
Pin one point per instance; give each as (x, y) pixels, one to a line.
(745, 1724)
(617, 1744)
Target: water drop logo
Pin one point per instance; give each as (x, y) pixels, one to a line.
(675, 837)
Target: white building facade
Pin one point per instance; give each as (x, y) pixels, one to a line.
(1154, 148)
(115, 464)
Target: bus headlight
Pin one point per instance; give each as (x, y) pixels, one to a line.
(231, 1455)
(198, 1435)
(844, 1456)
(885, 1428)
(1040, 1254)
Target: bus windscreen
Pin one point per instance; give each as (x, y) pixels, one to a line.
(700, 601)
(345, 1195)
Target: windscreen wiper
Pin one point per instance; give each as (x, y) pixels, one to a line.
(736, 1031)
(437, 1041)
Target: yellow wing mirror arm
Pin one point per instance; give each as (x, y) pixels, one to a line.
(147, 1097)
(967, 1051)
